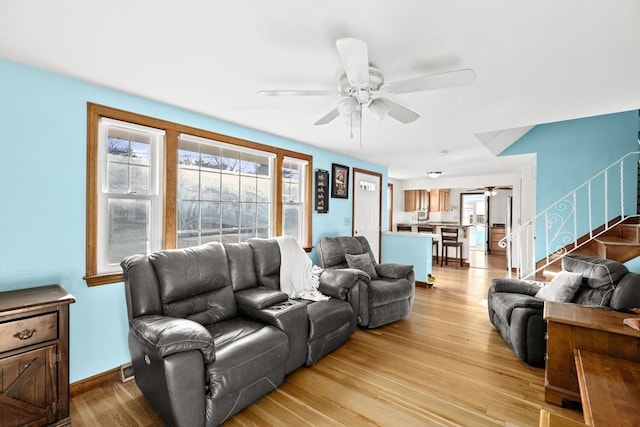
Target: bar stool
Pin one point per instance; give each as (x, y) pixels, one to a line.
(431, 229)
(401, 227)
(449, 239)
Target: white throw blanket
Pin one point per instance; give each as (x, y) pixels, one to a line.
(296, 271)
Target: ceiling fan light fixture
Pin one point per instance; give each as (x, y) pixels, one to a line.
(379, 108)
(434, 174)
(347, 106)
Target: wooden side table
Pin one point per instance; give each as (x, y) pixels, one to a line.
(34, 357)
(572, 326)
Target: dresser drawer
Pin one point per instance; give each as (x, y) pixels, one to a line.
(28, 331)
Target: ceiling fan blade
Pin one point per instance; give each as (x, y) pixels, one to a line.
(400, 113)
(330, 116)
(298, 93)
(355, 60)
(433, 81)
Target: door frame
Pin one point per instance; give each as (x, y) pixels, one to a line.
(353, 204)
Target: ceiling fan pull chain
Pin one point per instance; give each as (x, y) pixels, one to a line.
(361, 128)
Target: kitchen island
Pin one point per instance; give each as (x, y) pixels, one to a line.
(463, 236)
(409, 248)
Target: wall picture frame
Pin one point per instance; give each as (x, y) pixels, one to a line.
(322, 191)
(339, 181)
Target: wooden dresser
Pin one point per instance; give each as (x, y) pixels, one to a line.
(34, 357)
(571, 327)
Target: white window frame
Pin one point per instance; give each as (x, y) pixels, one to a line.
(303, 167)
(154, 197)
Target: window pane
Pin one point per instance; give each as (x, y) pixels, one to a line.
(263, 215)
(230, 160)
(117, 178)
(210, 186)
(210, 157)
(230, 236)
(210, 212)
(230, 217)
(248, 189)
(140, 179)
(188, 154)
(188, 215)
(230, 187)
(188, 184)
(263, 190)
(248, 165)
(128, 228)
(188, 239)
(290, 221)
(247, 214)
(141, 151)
(263, 166)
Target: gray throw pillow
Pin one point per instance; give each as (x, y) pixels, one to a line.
(562, 287)
(362, 262)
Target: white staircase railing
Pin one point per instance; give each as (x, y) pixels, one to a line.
(590, 210)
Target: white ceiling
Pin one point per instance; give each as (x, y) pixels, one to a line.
(536, 61)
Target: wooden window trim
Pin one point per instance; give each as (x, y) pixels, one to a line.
(172, 130)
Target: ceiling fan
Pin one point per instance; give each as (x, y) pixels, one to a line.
(490, 191)
(362, 85)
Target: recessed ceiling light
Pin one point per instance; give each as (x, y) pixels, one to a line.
(434, 174)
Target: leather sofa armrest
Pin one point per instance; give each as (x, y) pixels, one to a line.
(514, 286)
(260, 297)
(169, 335)
(394, 271)
(337, 282)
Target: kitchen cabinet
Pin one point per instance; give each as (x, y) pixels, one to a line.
(416, 200)
(34, 357)
(496, 234)
(440, 200)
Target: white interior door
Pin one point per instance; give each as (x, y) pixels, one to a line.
(366, 208)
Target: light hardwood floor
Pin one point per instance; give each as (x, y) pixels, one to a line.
(444, 365)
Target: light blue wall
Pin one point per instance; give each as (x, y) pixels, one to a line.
(42, 198)
(571, 152)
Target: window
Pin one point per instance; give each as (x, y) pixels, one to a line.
(294, 173)
(224, 192)
(154, 184)
(129, 204)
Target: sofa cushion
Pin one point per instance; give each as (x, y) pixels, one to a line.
(626, 295)
(246, 352)
(332, 250)
(503, 304)
(240, 257)
(385, 291)
(266, 258)
(596, 272)
(362, 262)
(195, 283)
(599, 297)
(562, 287)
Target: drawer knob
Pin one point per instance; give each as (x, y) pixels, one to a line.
(24, 334)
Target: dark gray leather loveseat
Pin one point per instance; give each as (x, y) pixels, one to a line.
(517, 313)
(211, 332)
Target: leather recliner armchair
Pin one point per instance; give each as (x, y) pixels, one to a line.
(384, 298)
(210, 331)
